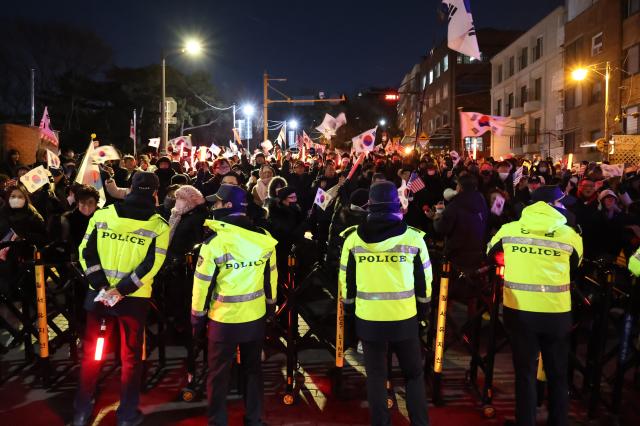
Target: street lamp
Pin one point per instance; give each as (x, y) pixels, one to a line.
(192, 47)
(293, 124)
(580, 74)
(248, 110)
(382, 122)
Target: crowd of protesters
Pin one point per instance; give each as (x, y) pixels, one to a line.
(462, 202)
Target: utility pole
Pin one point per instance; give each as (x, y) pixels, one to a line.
(33, 97)
(288, 100)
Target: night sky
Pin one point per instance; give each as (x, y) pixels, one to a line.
(334, 46)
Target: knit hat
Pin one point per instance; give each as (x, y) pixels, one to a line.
(283, 193)
(179, 179)
(190, 194)
(359, 198)
(607, 193)
(547, 194)
(163, 159)
(233, 194)
(144, 182)
(383, 198)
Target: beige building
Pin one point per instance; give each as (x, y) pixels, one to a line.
(527, 86)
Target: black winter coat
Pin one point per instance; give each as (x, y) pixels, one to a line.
(189, 232)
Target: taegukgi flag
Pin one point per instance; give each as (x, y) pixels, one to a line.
(35, 179)
(476, 124)
(366, 141)
(461, 33)
(323, 199)
(53, 161)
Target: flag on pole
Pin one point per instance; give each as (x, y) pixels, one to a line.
(181, 142)
(330, 124)
(154, 142)
(323, 199)
(356, 164)
(53, 161)
(517, 175)
(476, 124)
(415, 183)
(105, 153)
(306, 140)
(132, 132)
(403, 195)
(266, 146)
(365, 141)
(461, 34)
(35, 179)
(282, 136)
(89, 173)
(46, 132)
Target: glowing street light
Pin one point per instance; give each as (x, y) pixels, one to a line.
(248, 110)
(192, 47)
(293, 124)
(382, 122)
(579, 74)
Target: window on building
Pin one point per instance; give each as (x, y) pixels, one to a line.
(509, 103)
(445, 63)
(430, 101)
(632, 59)
(631, 7)
(438, 122)
(445, 90)
(595, 94)
(631, 120)
(569, 143)
(512, 66)
(430, 76)
(520, 135)
(537, 89)
(469, 142)
(430, 125)
(524, 57)
(424, 81)
(437, 96)
(573, 52)
(596, 44)
(445, 119)
(537, 50)
(573, 96)
(523, 95)
(537, 123)
(498, 110)
(436, 71)
(498, 70)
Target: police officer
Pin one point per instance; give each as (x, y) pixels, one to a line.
(237, 268)
(122, 250)
(540, 253)
(634, 263)
(385, 277)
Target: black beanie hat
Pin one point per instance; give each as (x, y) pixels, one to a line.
(383, 198)
(284, 192)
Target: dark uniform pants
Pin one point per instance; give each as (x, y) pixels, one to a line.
(131, 326)
(410, 360)
(531, 333)
(221, 356)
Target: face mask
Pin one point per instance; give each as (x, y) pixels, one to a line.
(503, 176)
(294, 206)
(180, 204)
(542, 170)
(169, 203)
(71, 199)
(16, 203)
(222, 212)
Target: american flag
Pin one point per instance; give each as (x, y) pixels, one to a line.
(415, 183)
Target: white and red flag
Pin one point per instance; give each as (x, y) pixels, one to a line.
(46, 132)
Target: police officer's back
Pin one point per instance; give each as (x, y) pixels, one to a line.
(540, 252)
(122, 250)
(385, 272)
(237, 267)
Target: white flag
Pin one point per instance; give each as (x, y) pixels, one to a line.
(365, 142)
(53, 161)
(517, 176)
(612, 170)
(105, 153)
(323, 199)
(330, 124)
(267, 145)
(461, 33)
(35, 179)
(476, 124)
(215, 149)
(341, 120)
(282, 137)
(180, 142)
(154, 142)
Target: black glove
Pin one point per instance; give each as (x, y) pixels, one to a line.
(198, 324)
(423, 311)
(349, 309)
(271, 311)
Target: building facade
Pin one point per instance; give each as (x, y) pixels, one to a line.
(630, 90)
(528, 81)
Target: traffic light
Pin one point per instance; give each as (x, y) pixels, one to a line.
(391, 97)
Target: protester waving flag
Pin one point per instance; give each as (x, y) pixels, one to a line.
(415, 183)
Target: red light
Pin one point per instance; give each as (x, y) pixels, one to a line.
(391, 97)
(99, 348)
